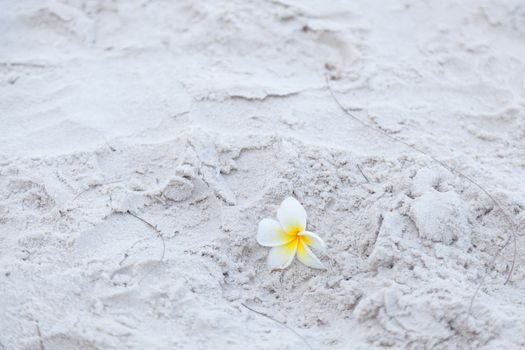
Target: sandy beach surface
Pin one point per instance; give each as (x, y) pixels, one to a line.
(141, 142)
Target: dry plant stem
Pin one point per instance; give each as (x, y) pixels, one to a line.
(280, 323)
(159, 234)
(40, 341)
(361, 171)
(512, 224)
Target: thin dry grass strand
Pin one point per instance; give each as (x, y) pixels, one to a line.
(40, 340)
(512, 235)
(281, 324)
(361, 171)
(159, 234)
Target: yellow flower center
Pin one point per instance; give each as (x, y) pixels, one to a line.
(294, 231)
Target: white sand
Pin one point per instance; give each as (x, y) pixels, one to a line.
(200, 117)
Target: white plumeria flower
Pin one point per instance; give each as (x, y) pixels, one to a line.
(288, 236)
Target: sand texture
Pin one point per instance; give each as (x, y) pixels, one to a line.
(200, 117)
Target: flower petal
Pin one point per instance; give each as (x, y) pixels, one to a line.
(305, 255)
(292, 215)
(312, 239)
(271, 234)
(282, 256)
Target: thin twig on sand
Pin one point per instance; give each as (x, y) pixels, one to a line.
(361, 171)
(159, 234)
(40, 340)
(280, 323)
